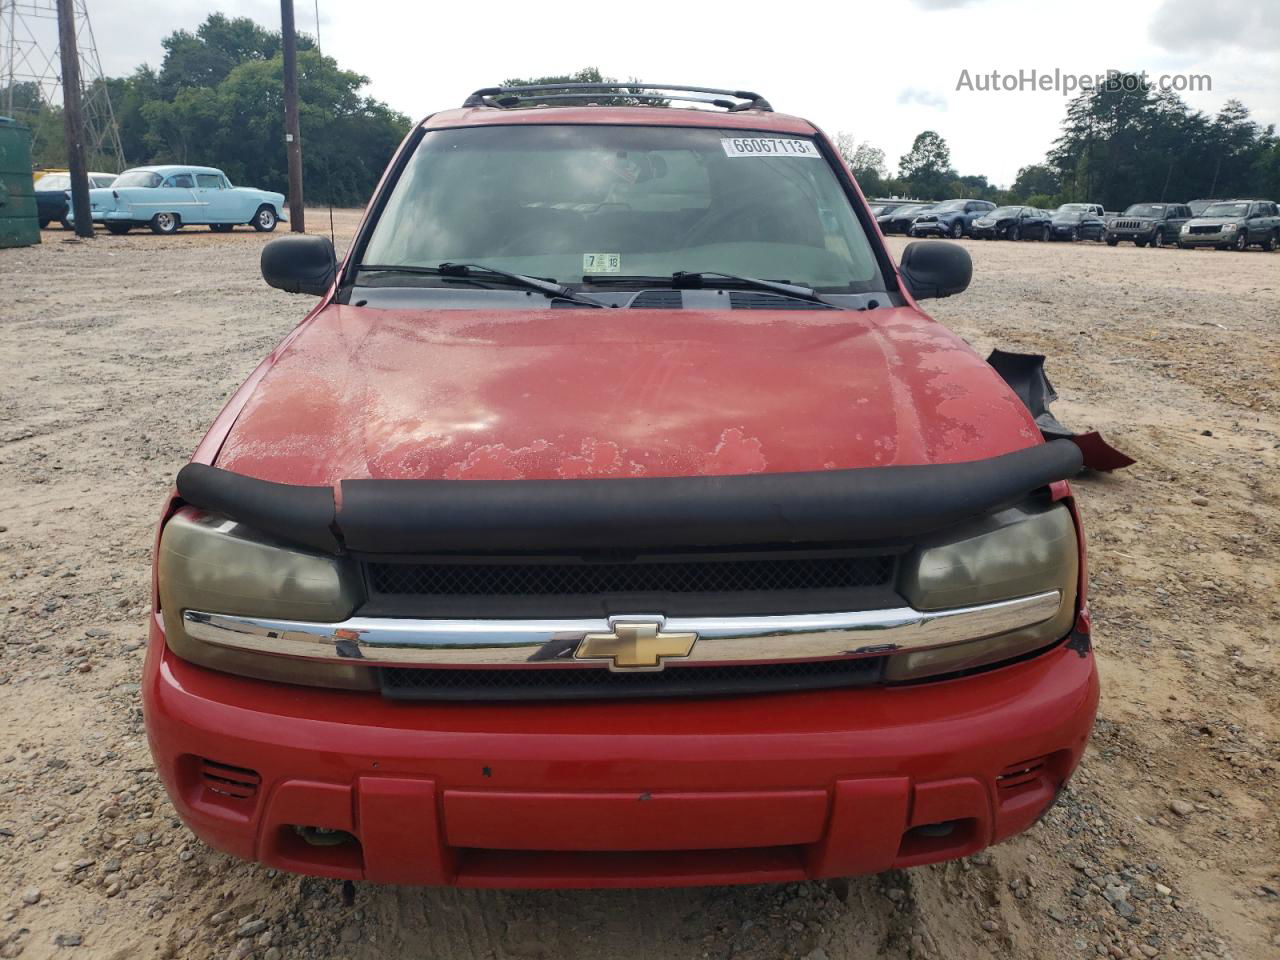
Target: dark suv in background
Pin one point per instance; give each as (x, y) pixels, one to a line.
(951, 218)
(1153, 223)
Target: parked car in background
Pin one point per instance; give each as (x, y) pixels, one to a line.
(880, 207)
(53, 200)
(167, 198)
(899, 220)
(951, 218)
(1153, 223)
(1013, 223)
(1075, 221)
(1093, 208)
(1234, 225)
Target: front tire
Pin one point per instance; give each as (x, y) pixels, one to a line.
(164, 224)
(1112, 241)
(1139, 243)
(1242, 242)
(119, 229)
(265, 220)
(1014, 233)
(1044, 233)
(1157, 239)
(957, 230)
(1075, 234)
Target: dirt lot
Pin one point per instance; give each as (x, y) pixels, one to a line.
(120, 351)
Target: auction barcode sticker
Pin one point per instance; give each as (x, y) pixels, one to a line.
(768, 147)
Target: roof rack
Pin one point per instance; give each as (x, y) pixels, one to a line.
(507, 97)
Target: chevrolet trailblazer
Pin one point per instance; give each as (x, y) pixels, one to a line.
(618, 518)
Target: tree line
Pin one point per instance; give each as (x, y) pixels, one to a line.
(1123, 142)
(217, 99)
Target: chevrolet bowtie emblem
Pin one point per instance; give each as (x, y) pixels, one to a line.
(636, 644)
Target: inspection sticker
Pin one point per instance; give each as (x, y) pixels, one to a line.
(601, 262)
(769, 147)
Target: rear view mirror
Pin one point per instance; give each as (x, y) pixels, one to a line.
(300, 264)
(936, 269)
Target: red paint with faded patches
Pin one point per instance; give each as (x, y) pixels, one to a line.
(782, 787)
(468, 395)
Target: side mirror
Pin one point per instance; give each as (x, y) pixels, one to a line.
(936, 269)
(300, 264)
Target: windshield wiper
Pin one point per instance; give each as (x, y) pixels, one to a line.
(467, 270)
(687, 280)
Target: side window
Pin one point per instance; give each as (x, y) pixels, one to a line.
(209, 181)
(180, 180)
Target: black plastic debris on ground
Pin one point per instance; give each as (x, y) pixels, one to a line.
(1024, 372)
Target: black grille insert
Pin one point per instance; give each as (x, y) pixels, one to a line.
(567, 683)
(771, 573)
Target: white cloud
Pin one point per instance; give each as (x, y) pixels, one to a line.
(1199, 27)
(923, 98)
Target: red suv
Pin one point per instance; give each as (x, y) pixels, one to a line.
(617, 518)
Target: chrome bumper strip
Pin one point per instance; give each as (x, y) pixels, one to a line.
(417, 643)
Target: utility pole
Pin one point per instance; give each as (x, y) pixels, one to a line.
(292, 134)
(73, 117)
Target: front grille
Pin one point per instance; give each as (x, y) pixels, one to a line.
(585, 683)
(772, 573)
(1129, 225)
(1209, 229)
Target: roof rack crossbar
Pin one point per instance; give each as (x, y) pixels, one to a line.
(515, 101)
(513, 96)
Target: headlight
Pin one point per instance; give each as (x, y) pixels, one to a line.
(215, 565)
(1229, 227)
(1018, 552)
(1186, 228)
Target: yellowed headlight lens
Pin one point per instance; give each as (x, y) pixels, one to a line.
(1017, 552)
(215, 565)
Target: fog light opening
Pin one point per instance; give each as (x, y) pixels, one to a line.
(943, 840)
(323, 836)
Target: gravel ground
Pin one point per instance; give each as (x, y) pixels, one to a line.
(121, 350)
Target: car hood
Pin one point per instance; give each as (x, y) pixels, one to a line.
(361, 393)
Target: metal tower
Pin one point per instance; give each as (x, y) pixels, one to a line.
(31, 73)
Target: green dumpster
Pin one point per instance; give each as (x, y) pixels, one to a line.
(18, 224)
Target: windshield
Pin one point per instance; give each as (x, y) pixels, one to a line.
(949, 205)
(1227, 210)
(1145, 210)
(1005, 212)
(1069, 214)
(54, 181)
(1073, 208)
(572, 202)
(137, 178)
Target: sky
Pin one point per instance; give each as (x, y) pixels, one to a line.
(882, 71)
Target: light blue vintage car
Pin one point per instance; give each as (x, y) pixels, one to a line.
(167, 198)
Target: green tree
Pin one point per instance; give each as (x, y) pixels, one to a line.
(1037, 178)
(926, 167)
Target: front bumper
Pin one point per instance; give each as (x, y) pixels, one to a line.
(1207, 239)
(619, 793)
(930, 229)
(1146, 233)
